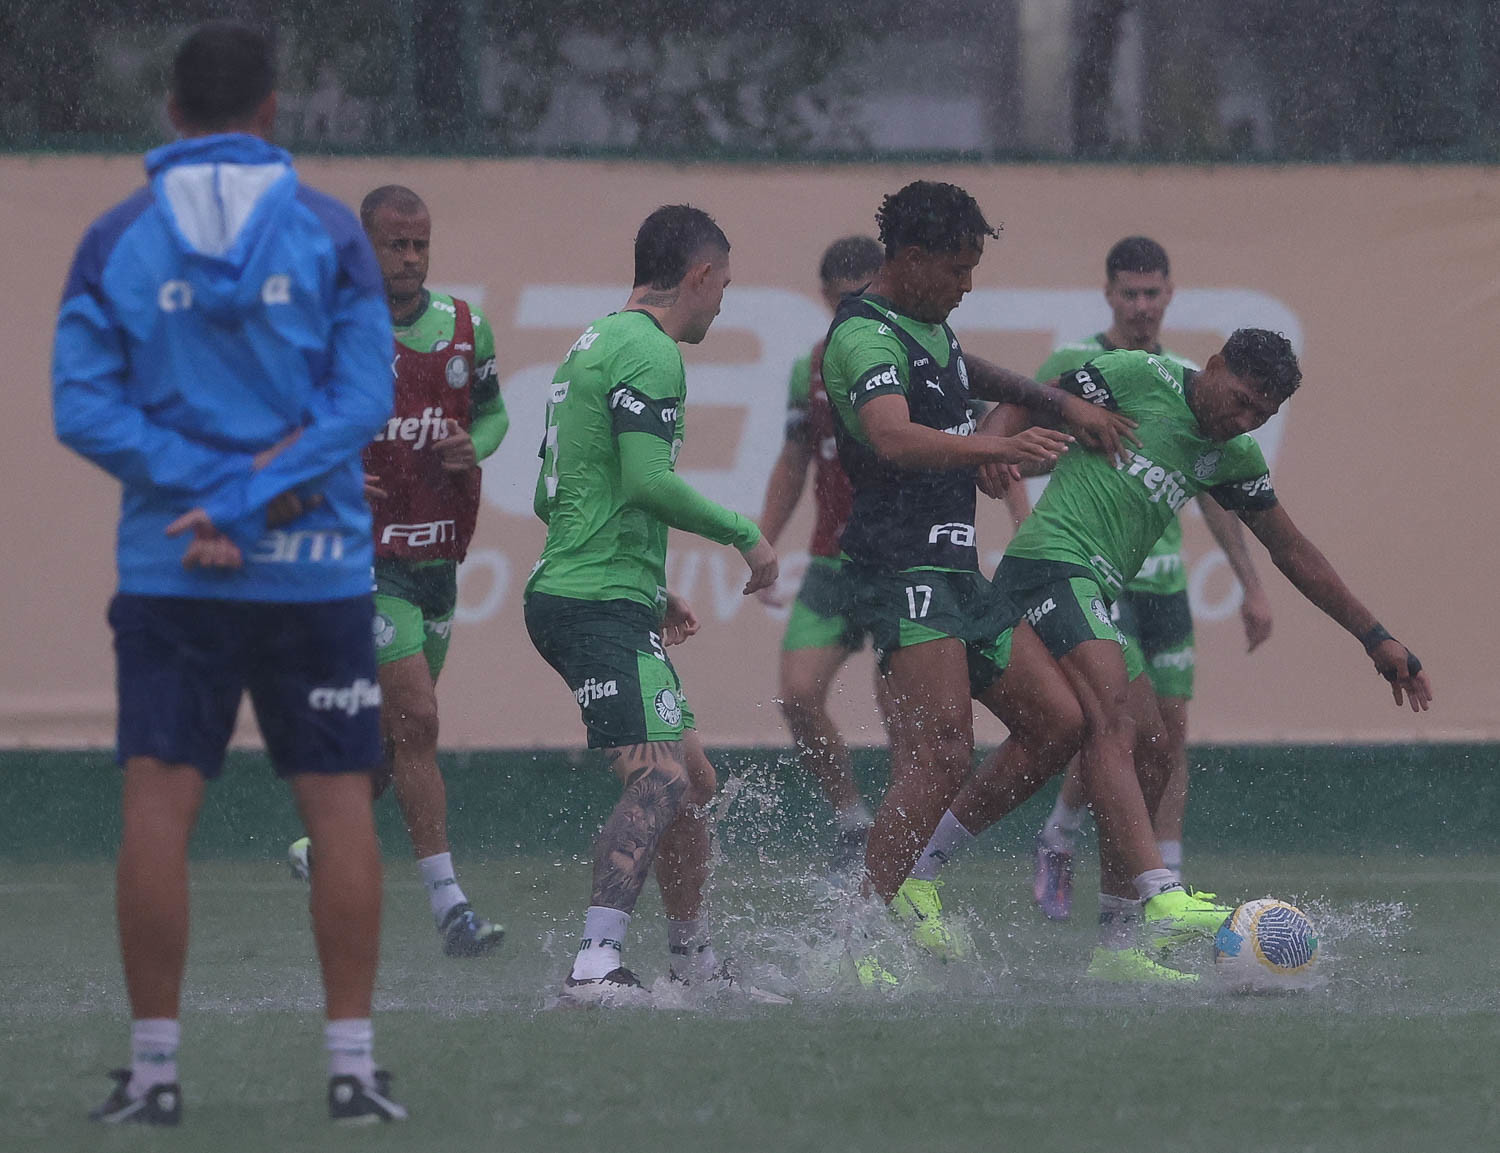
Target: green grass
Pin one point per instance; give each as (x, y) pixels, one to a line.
(1395, 1051)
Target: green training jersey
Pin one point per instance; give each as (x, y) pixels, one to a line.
(623, 376)
(1104, 515)
(902, 518)
(1162, 572)
(431, 330)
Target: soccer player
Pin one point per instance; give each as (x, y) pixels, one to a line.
(819, 634)
(901, 390)
(223, 349)
(422, 477)
(596, 605)
(1153, 609)
(1092, 528)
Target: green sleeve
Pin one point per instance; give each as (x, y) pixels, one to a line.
(1242, 481)
(864, 359)
(488, 427)
(490, 421)
(648, 483)
(797, 390)
(1062, 360)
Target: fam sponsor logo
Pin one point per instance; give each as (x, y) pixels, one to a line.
(958, 533)
(420, 535)
(416, 430)
(596, 690)
(347, 699)
(281, 546)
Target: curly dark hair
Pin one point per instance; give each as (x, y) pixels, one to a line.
(1136, 254)
(1266, 358)
(935, 217)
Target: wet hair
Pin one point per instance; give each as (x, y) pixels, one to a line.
(668, 240)
(221, 74)
(402, 200)
(852, 258)
(935, 217)
(1136, 254)
(1266, 359)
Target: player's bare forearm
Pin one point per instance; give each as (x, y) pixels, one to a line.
(1012, 420)
(1003, 386)
(1302, 563)
(784, 488)
(887, 424)
(1229, 533)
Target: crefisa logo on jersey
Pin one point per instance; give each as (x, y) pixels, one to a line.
(1207, 461)
(456, 373)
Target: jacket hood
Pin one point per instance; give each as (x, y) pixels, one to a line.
(223, 197)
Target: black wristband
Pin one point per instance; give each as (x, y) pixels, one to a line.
(1374, 636)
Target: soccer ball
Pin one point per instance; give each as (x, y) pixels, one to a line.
(1266, 945)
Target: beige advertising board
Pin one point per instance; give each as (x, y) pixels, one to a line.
(1387, 279)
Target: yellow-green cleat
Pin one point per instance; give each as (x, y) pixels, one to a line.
(1132, 966)
(873, 975)
(1180, 917)
(299, 858)
(919, 909)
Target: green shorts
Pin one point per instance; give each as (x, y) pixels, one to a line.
(1162, 624)
(821, 614)
(414, 603)
(610, 654)
(1066, 606)
(902, 609)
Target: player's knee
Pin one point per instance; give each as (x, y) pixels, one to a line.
(414, 727)
(1060, 726)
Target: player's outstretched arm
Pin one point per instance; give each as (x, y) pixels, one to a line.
(648, 483)
(784, 486)
(1308, 569)
(1229, 533)
(1097, 428)
(887, 424)
(678, 621)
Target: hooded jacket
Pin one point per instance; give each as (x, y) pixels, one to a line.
(205, 319)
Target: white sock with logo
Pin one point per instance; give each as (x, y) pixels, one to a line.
(153, 1053)
(1061, 829)
(1154, 882)
(1117, 921)
(949, 837)
(1171, 856)
(442, 886)
(603, 939)
(351, 1049)
(692, 957)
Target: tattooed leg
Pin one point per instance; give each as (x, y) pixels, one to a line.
(682, 859)
(656, 782)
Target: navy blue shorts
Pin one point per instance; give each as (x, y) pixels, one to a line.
(182, 665)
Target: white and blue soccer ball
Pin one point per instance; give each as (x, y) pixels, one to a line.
(1266, 945)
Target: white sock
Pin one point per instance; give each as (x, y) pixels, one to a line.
(351, 1048)
(1154, 882)
(1061, 829)
(441, 885)
(852, 819)
(603, 939)
(949, 837)
(692, 956)
(1117, 921)
(1171, 856)
(153, 1053)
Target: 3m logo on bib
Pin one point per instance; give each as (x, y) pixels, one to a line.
(961, 535)
(1035, 614)
(416, 430)
(421, 535)
(1161, 484)
(351, 699)
(624, 398)
(592, 690)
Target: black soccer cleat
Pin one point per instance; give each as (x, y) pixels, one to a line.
(159, 1105)
(352, 1102)
(466, 934)
(619, 988)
